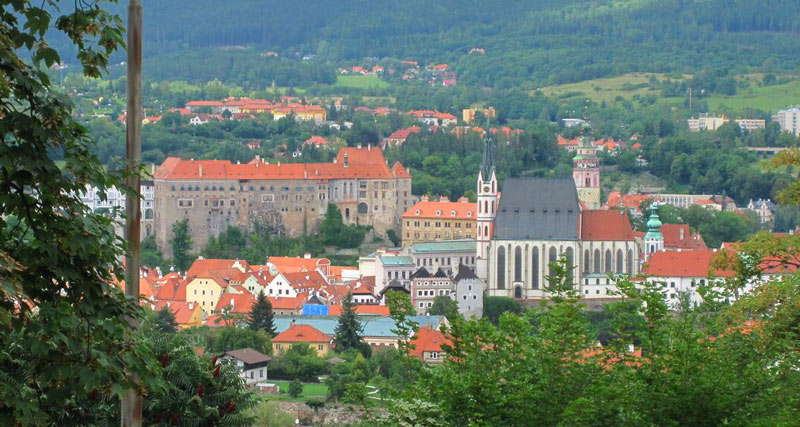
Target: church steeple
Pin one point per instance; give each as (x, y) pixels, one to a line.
(653, 240)
(487, 165)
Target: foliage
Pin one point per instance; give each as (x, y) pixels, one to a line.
(261, 316)
(494, 307)
(299, 362)
(220, 339)
(181, 243)
(344, 375)
(150, 254)
(65, 325)
(394, 238)
(165, 321)
(269, 414)
(444, 306)
(334, 233)
(349, 329)
(295, 388)
(401, 310)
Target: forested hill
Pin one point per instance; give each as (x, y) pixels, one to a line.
(538, 41)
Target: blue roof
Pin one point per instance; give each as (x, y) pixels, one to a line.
(315, 310)
(397, 260)
(373, 326)
(460, 245)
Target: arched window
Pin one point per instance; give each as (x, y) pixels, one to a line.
(501, 267)
(609, 268)
(362, 208)
(551, 259)
(518, 292)
(518, 264)
(486, 231)
(586, 263)
(597, 260)
(148, 214)
(535, 268)
(620, 261)
(485, 206)
(629, 268)
(570, 264)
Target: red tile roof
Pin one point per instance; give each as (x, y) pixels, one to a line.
(288, 303)
(672, 237)
(399, 171)
(301, 333)
(364, 286)
(287, 265)
(606, 225)
(240, 303)
(182, 310)
(402, 134)
(172, 288)
(428, 339)
(446, 210)
(203, 265)
(316, 141)
(563, 142)
(682, 264)
(631, 201)
(306, 280)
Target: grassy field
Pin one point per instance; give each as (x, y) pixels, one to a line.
(607, 89)
(767, 98)
(361, 82)
(310, 390)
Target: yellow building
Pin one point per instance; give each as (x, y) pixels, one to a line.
(297, 334)
(442, 220)
(468, 114)
(205, 290)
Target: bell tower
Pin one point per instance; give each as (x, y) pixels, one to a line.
(487, 208)
(586, 174)
(653, 240)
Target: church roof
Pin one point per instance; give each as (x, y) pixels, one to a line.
(538, 209)
(606, 225)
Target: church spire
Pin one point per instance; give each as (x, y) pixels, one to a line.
(654, 223)
(487, 165)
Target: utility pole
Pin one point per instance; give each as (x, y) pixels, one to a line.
(131, 401)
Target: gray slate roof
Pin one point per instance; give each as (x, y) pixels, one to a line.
(538, 209)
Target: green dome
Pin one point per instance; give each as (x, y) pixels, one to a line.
(653, 224)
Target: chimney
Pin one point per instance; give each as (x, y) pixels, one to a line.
(347, 159)
(681, 233)
(232, 303)
(307, 255)
(443, 199)
(168, 303)
(359, 146)
(200, 169)
(369, 147)
(258, 158)
(191, 306)
(463, 200)
(424, 198)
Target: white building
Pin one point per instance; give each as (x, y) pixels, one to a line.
(704, 122)
(252, 365)
(425, 287)
(468, 292)
(751, 124)
(765, 210)
(114, 200)
(444, 254)
(788, 120)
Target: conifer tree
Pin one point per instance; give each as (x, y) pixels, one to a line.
(165, 321)
(349, 329)
(261, 317)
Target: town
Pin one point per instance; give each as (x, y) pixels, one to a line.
(399, 214)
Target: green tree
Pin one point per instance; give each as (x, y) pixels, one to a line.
(349, 329)
(295, 388)
(150, 255)
(181, 245)
(58, 260)
(261, 317)
(444, 306)
(493, 307)
(165, 321)
(230, 337)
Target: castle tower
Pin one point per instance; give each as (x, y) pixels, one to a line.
(586, 174)
(487, 208)
(653, 240)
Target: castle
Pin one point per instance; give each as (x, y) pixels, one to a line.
(289, 198)
(536, 221)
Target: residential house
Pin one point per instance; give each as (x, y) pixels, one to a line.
(682, 273)
(252, 364)
(439, 220)
(765, 209)
(399, 136)
(287, 306)
(468, 114)
(427, 345)
(425, 287)
(299, 334)
(468, 292)
(186, 314)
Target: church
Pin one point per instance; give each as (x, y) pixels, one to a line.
(532, 222)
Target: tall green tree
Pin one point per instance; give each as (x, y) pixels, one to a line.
(261, 317)
(58, 260)
(181, 245)
(444, 306)
(165, 321)
(349, 329)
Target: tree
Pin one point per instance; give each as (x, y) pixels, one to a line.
(401, 310)
(444, 306)
(349, 329)
(396, 240)
(493, 307)
(58, 260)
(181, 245)
(261, 317)
(165, 321)
(150, 254)
(295, 388)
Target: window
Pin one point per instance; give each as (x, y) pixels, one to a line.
(535, 268)
(320, 347)
(620, 261)
(608, 261)
(261, 373)
(518, 264)
(501, 268)
(553, 257)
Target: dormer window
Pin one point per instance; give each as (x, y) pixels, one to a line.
(469, 213)
(438, 213)
(452, 213)
(416, 212)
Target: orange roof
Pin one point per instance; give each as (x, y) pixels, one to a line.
(306, 280)
(399, 171)
(289, 303)
(316, 141)
(365, 286)
(204, 104)
(301, 333)
(566, 142)
(202, 265)
(447, 210)
(287, 265)
(337, 271)
(171, 289)
(695, 263)
(672, 237)
(402, 134)
(363, 309)
(632, 201)
(240, 303)
(428, 339)
(606, 225)
(182, 310)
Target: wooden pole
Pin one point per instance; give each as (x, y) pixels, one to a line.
(132, 402)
